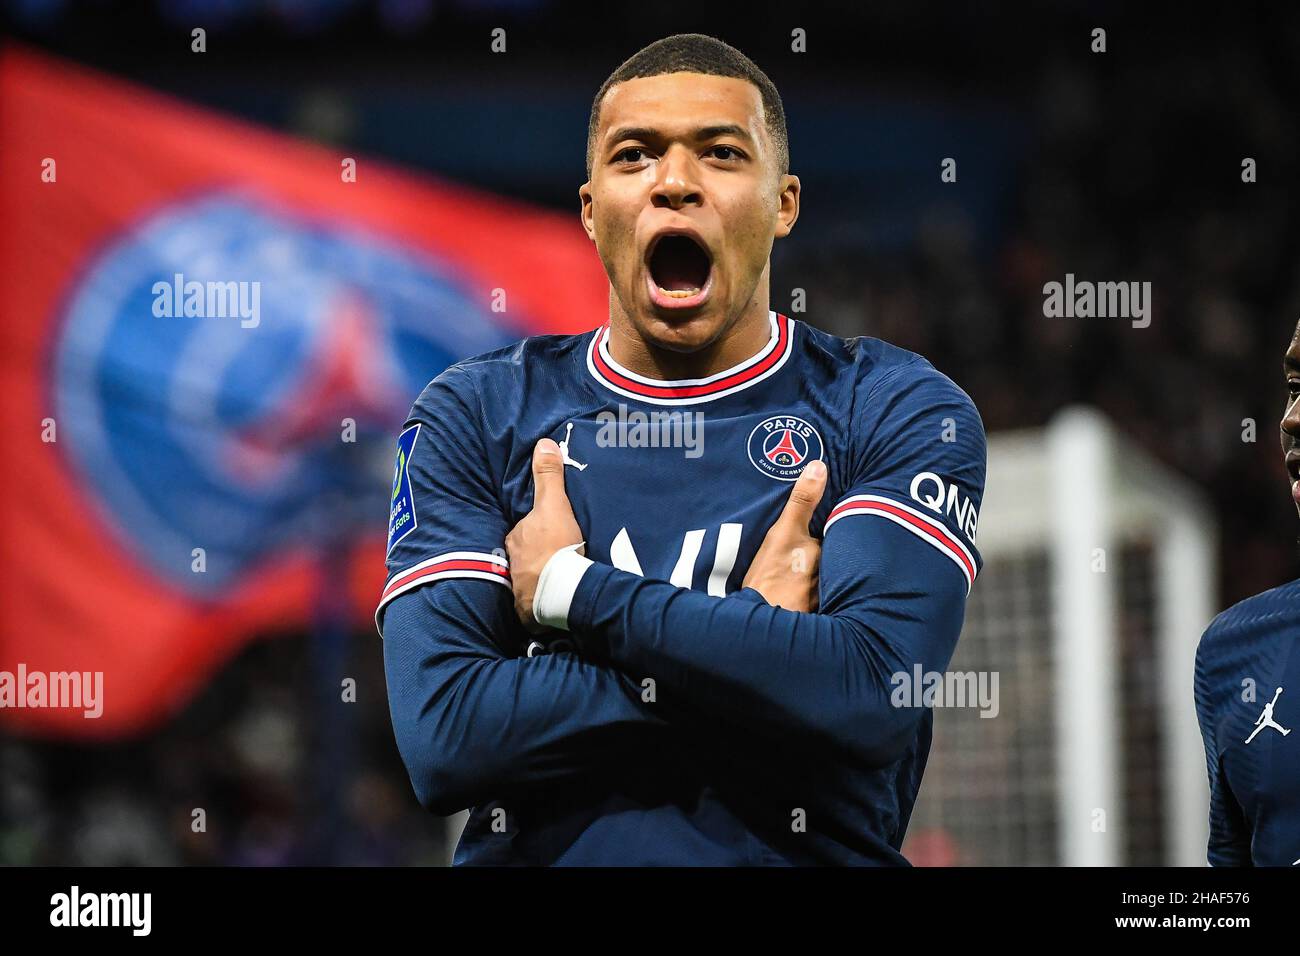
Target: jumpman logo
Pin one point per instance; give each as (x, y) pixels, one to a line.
(1266, 719)
(564, 449)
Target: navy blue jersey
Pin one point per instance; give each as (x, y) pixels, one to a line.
(1248, 705)
(681, 720)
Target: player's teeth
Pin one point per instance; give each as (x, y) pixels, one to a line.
(679, 293)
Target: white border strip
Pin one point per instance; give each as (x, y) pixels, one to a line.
(432, 576)
(599, 340)
(938, 525)
(774, 336)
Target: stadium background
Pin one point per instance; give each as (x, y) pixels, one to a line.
(1116, 166)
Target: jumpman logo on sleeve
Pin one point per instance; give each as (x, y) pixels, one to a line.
(1266, 719)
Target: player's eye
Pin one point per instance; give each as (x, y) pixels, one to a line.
(1293, 386)
(632, 154)
(728, 153)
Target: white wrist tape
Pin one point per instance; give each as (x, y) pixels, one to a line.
(557, 584)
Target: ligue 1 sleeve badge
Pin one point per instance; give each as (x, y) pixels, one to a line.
(780, 446)
(401, 514)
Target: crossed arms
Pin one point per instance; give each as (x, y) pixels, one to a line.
(475, 720)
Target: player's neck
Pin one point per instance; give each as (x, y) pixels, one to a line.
(745, 339)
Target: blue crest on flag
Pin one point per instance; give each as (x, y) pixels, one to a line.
(229, 373)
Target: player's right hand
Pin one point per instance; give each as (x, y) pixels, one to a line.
(548, 528)
(785, 569)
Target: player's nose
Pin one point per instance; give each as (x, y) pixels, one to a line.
(1291, 422)
(676, 184)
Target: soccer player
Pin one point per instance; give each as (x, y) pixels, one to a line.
(1248, 701)
(648, 585)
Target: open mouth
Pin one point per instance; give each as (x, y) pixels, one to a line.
(679, 267)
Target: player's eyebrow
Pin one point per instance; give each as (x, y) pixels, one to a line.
(650, 134)
(723, 129)
(1290, 362)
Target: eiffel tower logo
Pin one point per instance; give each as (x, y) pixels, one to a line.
(784, 452)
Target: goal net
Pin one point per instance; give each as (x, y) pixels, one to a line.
(1098, 580)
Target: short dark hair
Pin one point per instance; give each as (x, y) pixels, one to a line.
(696, 53)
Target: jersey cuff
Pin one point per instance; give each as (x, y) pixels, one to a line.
(476, 565)
(925, 527)
(556, 586)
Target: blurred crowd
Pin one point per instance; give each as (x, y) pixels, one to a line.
(1138, 178)
(247, 775)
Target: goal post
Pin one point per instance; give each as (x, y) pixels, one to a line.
(1098, 580)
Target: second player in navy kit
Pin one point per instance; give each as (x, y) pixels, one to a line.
(1248, 701)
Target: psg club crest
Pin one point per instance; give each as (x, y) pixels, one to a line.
(782, 445)
(261, 430)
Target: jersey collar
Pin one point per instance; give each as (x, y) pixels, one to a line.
(694, 390)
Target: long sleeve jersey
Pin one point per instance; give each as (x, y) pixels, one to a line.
(681, 719)
(1248, 705)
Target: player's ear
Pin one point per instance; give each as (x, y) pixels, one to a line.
(788, 210)
(584, 196)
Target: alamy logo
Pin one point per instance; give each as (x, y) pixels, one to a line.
(74, 690)
(74, 908)
(213, 300)
(1266, 719)
(948, 689)
(1102, 300)
(637, 429)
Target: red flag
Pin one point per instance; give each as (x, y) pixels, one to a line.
(194, 309)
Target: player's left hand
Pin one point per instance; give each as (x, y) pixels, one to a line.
(785, 570)
(546, 529)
